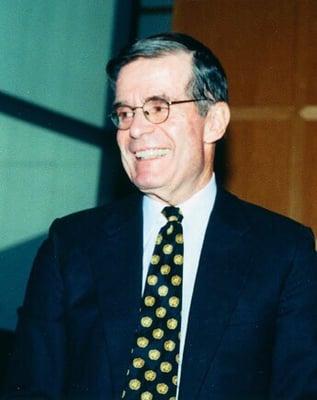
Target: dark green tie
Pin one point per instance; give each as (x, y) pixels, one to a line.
(152, 374)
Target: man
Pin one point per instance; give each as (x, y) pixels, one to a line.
(227, 308)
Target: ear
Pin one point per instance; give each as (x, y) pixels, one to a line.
(216, 122)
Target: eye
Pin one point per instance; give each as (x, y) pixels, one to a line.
(156, 107)
(124, 113)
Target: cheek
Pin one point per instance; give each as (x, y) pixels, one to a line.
(126, 157)
(190, 145)
(122, 144)
(120, 140)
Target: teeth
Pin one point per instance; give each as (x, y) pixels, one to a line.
(151, 153)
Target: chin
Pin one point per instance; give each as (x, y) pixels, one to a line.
(145, 186)
(148, 184)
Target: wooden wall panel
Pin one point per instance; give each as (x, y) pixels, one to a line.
(309, 176)
(255, 44)
(254, 169)
(268, 49)
(309, 53)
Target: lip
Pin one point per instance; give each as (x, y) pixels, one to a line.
(151, 153)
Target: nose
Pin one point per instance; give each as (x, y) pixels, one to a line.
(140, 125)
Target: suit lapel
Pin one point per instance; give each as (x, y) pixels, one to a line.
(222, 271)
(117, 267)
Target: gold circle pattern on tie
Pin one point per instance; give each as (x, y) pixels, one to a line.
(152, 373)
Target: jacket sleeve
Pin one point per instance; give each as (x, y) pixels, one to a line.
(37, 365)
(294, 363)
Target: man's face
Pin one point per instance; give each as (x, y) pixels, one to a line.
(168, 161)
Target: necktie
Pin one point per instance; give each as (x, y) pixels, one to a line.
(152, 374)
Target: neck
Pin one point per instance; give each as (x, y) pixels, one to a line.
(176, 198)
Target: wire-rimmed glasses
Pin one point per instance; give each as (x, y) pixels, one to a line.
(155, 109)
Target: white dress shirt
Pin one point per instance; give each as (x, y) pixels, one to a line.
(196, 211)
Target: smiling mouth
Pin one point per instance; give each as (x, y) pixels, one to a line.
(151, 154)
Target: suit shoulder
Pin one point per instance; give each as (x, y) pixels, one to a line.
(86, 222)
(269, 222)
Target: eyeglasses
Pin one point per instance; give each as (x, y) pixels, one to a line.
(155, 110)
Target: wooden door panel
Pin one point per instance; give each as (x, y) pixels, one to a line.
(309, 175)
(255, 41)
(268, 49)
(258, 165)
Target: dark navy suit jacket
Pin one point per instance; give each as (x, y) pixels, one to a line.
(252, 330)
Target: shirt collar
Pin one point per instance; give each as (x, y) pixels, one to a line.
(203, 201)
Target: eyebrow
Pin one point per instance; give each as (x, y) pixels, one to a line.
(156, 97)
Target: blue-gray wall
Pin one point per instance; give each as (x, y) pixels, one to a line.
(52, 55)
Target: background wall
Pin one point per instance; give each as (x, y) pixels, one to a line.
(52, 56)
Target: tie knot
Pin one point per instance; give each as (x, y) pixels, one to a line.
(172, 214)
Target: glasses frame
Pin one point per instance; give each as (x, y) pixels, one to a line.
(114, 116)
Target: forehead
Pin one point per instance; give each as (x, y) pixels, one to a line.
(166, 75)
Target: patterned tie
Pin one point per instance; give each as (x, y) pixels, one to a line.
(152, 374)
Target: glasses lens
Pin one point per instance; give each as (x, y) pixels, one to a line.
(122, 117)
(156, 110)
